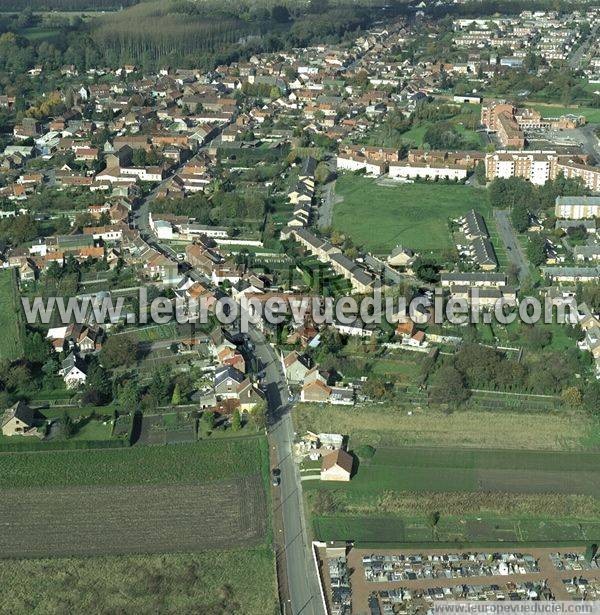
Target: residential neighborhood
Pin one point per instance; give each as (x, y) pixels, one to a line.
(315, 287)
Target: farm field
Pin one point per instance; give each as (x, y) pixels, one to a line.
(102, 520)
(449, 470)
(391, 425)
(479, 496)
(178, 583)
(379, 217)
(11, 341)
(175, 465)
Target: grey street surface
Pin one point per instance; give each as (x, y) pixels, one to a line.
(578, 54)
(302, 576)
(590, 141)
(303, 583)
(515, 253)
(326, 207)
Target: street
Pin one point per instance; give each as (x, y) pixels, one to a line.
(514, 251)
(302, 576)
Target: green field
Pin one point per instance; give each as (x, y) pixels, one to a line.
(480, 496)
(391, 425)
(11, 340)
(453, 531)
(592, 115)
(224, 581)
(449, 470)
(176, 464)
(414, 215)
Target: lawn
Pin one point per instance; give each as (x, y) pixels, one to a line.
(592, 115)
(414, 215)
(438, 470)
(480, 496)
(11, 336)
(455, 531)
(176, 464)
(209, 581)
(390, 425)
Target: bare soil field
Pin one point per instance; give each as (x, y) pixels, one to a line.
(106, 520)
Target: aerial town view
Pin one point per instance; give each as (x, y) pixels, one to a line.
(300, 307)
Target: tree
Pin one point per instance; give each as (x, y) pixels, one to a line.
(322, 173)
(129, 396)
(68, 426)
(449, 387)
(571, 397)
(536, 250)
(519, 217)
(98, 386)
(427, 268)
(258, 415)
(236, 421)
(176, 397)
(591, 398)
(119, 350)
(207, 422)
(433, 519)
(280, 14)
(365, 451)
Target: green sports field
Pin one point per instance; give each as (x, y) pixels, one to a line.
(380, 217)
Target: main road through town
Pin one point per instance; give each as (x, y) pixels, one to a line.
(301, 572)
(303, 585)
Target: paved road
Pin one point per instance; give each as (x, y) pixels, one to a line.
(327, 203)
(302, 576)
(591, 145)
(514, 251)
(577, 55)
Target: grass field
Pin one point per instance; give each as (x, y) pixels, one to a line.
(386, 425)
(217, 581)
(414, 215)
(174, 465)
(449, 470)
(592, 115)
(457, 531)
(11, 341)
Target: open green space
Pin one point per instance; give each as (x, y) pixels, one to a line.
(380, 217)
(11, 328)
(214, 581)
(176, 464)
(591, 114)
(482, 530)
(392, 425)
(448, 470)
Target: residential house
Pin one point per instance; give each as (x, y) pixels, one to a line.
(19, 419)
(337, 466)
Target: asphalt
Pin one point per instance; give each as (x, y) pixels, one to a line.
(578, 54)
(302, 576)
(514, 251)
(303, 585)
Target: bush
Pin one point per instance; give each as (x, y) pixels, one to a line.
(365, 451)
